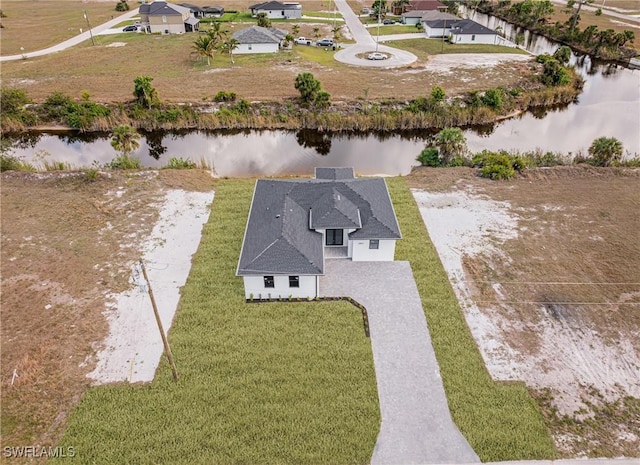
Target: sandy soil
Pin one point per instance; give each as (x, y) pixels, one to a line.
(546, 271)
(133, 348)
(448, 62)
(68, 245)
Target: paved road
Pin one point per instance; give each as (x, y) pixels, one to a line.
(74, 40)
(416, 424)
(605, 10)
(366, 44)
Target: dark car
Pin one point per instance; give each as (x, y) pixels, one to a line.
(388, 21)
(325, 43)
(130, 29)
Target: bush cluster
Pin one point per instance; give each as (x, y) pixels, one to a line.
(78, 115)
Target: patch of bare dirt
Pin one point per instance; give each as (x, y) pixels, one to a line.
(552, 283)
(67, 243)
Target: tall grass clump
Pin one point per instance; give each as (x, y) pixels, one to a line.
(180, 164)
(274, 383)
(124, 161)
(500, 420)
(10, 162)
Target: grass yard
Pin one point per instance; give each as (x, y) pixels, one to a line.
(500, 420)
(259, 383)
(393, 29)
(422, 47)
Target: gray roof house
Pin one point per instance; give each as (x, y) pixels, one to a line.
(295, 225)
(277, 10)
(257, 39)
(167, 18)
(467, 31)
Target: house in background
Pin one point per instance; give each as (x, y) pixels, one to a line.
(167, 18)
(422, 5)
(196, 11)
(257, 39)
(213, 11)
(437, 23)
(277, 10)
(467, 31)
(295, 225)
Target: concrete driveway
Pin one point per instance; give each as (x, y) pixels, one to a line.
(366, 44)
(416, 424)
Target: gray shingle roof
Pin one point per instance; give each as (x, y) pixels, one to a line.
(334, 173)
(259, 35)
(467, 26)
(334, 210)
(163, 8)
(278, 238)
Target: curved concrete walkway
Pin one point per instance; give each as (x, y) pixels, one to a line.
(366, 44)
(416, 424)
(74, 40)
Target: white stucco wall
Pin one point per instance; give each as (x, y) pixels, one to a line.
(411, 21)
(477, 39)
(280, 14)
(255, 285)
(163, 27)
(255, 48)
(436, 31)
(362, 253)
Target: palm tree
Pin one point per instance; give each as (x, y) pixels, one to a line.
(205, 47)
(216, 32)
(295, 29)
(228, 46)
(451, 143)
(125, 139)
(336, 32)
(605, 150)
(316, 32)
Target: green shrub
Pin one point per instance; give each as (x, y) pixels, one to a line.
(13, 163)
(225, 96)
(91, 174)
(493, 98)
(322, 99)
(124, 162)
(496, 165)
(180, 164)
(242, 107)
(429, 157)
(122, 6)
(13, 101)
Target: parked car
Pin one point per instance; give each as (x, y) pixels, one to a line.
(325, 43)
(303, 41)
(365, 11)
(376, 56)
(388, 21)
(130, 29)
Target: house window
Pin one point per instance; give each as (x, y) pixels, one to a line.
(374, 244)
(473, 37)
(282, 12)
(268, 282)
(249, 47)
(334, 237)
(164, 19)
(294, 281)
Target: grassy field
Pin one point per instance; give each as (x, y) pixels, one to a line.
(259, 383)
(500, 420)
(423, 47)
(393, 29)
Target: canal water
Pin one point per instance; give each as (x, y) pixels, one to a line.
(609, 106)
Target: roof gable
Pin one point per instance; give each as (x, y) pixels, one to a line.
(334, 210)
(275, 5)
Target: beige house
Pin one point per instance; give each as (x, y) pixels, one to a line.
(167, 18)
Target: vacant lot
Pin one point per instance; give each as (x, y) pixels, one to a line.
(552, 292)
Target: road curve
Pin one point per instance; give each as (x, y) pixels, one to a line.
(366, 44)
(74, 40)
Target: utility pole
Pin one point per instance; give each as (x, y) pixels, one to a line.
(89, 26)
(165, 342)
(379, 11)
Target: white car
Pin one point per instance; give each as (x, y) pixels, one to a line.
(376, 56)
(303, 41)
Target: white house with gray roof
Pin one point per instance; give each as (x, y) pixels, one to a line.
(258, 39)
(277, 10)
(467, 31)
(295, 225)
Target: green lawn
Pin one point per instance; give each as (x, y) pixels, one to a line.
(292, 383)
(274, 383)
(393, 29)
(435, 47)
(500, 420)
